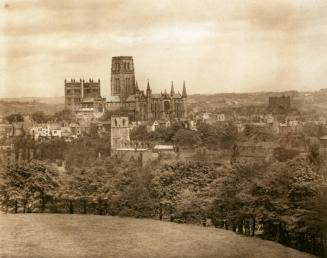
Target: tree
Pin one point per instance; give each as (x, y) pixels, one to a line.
(291, 196)
(184, 137)
(235, 206)
(182, 190)
(209, 134)
(40, 117)
(31, 184)
(64, 115)
(15, 118)
(139, 133)
(258, 133)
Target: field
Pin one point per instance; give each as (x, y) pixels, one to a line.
(55, 235)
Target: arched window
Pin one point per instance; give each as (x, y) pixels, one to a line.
(116, 122)
(124, 122)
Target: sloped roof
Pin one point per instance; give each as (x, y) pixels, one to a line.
(131, 98)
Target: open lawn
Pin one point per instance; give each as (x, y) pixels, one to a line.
(56, 235)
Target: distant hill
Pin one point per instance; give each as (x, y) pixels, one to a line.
(47, 100)
(29, 105)
(58, 235)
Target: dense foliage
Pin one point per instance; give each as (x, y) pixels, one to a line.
(218, 135)
(282, 201)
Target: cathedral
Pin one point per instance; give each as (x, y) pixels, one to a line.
(142, 105)
(126, 98)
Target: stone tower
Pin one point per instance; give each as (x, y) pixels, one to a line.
(122, 77)
(119, 132)
(73, 94)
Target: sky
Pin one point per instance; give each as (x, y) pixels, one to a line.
(215, 46)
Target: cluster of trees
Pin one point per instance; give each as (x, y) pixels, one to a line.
(282, 201)
(222, 135)
(80, 152)
(103, 187)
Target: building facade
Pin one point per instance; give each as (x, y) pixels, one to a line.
(141, 105)
(126, 98)
(79, 91)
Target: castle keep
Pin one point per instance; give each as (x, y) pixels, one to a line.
(126, 98)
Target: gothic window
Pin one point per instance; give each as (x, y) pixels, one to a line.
(123, 122)
(115, 122)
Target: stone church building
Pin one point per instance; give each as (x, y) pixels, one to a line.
(126, 98)
(141, 105)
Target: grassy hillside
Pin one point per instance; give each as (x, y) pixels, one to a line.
(56, 235)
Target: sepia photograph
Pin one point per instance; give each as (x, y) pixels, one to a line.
(163, 128)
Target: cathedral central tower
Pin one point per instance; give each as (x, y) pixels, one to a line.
(122, 77)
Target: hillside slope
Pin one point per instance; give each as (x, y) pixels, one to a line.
(55, 235)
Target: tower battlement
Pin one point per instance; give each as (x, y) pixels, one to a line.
(72, 81)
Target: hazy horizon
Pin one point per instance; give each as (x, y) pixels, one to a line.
(215, 46)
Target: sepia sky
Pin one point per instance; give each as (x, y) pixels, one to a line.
(215, 46)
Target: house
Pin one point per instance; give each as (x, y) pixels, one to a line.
(40, 131)
(55, 131)
(45, 131)
(190, 124)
